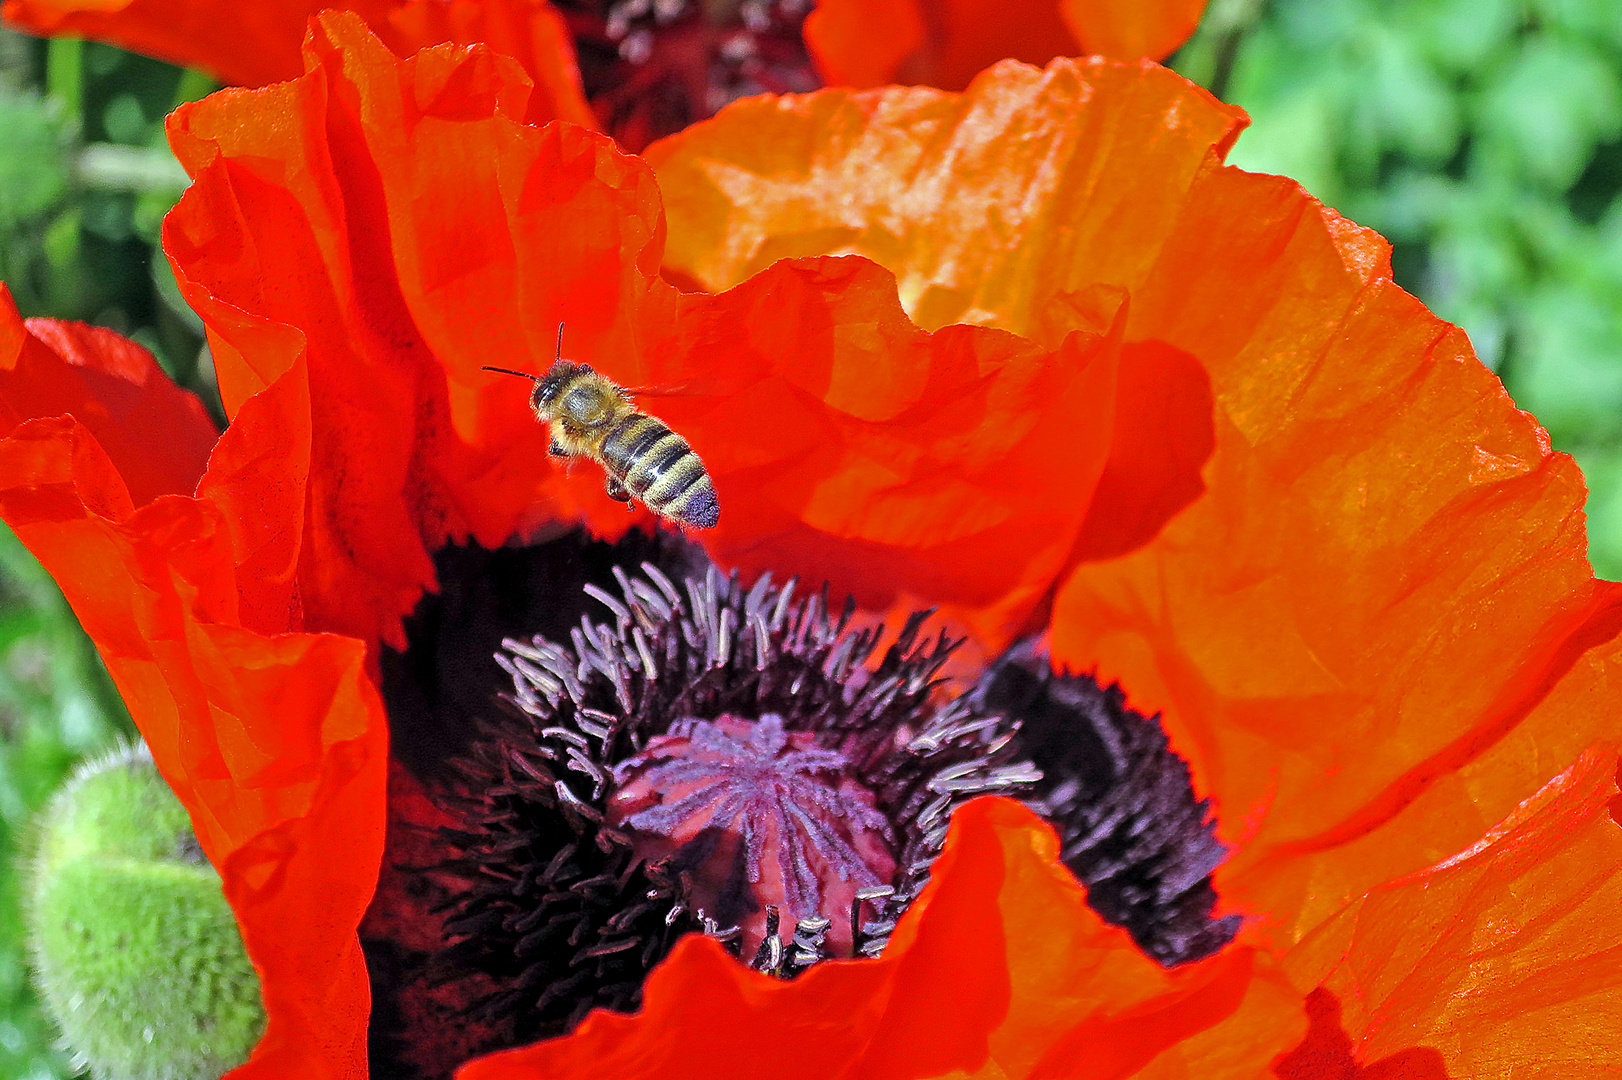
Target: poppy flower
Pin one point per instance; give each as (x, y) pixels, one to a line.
(646, 69)
(1054, 372)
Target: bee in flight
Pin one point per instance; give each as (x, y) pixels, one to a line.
(587, 415)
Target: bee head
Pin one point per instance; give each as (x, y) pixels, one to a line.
(548, 386)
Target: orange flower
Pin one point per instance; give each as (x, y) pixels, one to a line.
(646, 73)
(1068, 374)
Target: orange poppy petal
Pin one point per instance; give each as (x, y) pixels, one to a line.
(283, 245)
(1499, 961)
(156, 435)
(1034, 194)
(1385, 575)
(839, 171)
(275, 742)
(1127, 29)
(1053, 992)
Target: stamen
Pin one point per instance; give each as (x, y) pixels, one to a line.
(1130, 827)
(674, 753)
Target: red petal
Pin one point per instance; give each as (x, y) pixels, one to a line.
(361, 260)
(943, 43)
(257, 43)
(1162, 438)
(1053, 992)
(915, 470)
(768, 179)
(865, 44)
(156, 435)
(275, 742)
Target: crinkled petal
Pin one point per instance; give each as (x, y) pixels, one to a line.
(396, 225)
(1017, 204)
(275, 741)
(282, 244)
(156, 435)
(951, 469)
(998, 970)
(1383, 581)
(1028, 203)
(532, 32)
(1503, 960)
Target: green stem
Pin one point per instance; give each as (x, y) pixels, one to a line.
(64, 75)
(1208, 57)
(112, 167)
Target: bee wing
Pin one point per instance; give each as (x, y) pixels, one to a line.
(702, 385)
(685, 388)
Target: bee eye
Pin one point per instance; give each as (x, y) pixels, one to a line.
(545, 390)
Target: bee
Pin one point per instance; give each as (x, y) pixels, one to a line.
(587, 415)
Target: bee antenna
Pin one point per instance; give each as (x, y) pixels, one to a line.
(510, 371)
(559, 355)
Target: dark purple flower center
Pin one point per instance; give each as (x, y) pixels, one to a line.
(651, 67)
(604, 747)
(756, 817)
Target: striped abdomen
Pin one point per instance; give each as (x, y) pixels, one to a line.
(658, 467)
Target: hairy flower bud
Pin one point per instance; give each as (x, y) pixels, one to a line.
(136, 953)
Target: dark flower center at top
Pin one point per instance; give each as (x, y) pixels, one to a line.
(651, 67)
(619, 746)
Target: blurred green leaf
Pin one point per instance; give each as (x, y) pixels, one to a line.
(85, 180)
(33, 168)
(1541, 115)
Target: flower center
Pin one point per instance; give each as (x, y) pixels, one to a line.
(651, 67)
(756, 817)
(600, 748)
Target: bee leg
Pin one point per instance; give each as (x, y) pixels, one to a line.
(556, 450)
(617, 492)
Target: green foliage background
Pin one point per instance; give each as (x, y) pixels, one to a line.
(85, 179)
(1484, 137)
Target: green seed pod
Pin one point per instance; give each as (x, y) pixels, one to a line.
(136, 953)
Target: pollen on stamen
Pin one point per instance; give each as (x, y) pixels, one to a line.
(756, 817)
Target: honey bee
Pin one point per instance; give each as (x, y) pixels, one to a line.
(587, 415)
